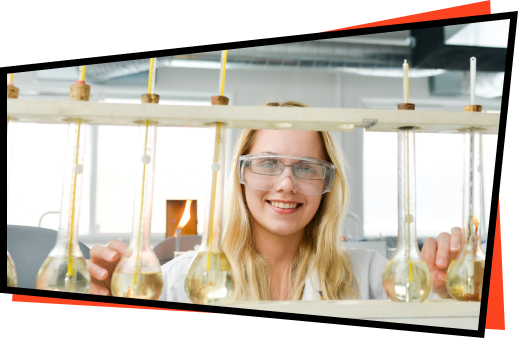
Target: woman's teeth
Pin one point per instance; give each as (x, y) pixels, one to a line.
(283, 205)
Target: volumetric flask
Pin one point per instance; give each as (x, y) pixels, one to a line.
(209, 279)
(407, 277)
(138, 274)
(65, 268)
(466, 272)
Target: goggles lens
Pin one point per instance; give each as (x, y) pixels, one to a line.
(266, 173)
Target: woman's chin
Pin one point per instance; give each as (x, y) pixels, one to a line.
(282, 230)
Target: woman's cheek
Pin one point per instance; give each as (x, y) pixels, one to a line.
(253, 200)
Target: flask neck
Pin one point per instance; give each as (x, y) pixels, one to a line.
(144, 186)
(473, 216)
(407, 238)
(214, 219)
(72, 187)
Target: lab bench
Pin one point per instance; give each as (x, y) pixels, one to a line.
(442, 313)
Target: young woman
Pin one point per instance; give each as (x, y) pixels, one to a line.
(286, 202)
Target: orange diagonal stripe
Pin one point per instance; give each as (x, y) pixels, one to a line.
(45, 300)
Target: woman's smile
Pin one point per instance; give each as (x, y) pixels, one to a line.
(284, 207)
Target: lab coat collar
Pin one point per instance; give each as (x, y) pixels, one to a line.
(312, 289)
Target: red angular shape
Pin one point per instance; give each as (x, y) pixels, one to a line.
(495, 319)
(479, 8)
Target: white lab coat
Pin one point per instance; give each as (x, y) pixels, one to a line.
(368, 267)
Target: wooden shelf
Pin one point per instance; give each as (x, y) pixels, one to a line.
(251, 117)
(444, 313)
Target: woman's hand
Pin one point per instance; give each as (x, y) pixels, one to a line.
(103, 261)
(438, 255)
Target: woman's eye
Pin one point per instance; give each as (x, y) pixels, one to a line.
(268, 164)
(306, 170)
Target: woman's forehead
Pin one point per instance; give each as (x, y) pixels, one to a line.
(289, 142)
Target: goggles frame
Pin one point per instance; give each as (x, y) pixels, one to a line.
(329, 177)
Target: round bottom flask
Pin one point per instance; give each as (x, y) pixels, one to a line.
(146, 282)
(12, 278)
(466, 272)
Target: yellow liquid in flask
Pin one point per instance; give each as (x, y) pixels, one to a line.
(213, 287)
(149, 285)
(53, 275)
(461, 286)
(404, 285)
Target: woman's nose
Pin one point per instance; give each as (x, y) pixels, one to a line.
(286, 184)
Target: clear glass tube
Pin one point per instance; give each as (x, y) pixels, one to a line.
(65, 268)
(12, 279)
(209, 279)
(407, 277)
(10, 131)
(466, 272)
(138, 274)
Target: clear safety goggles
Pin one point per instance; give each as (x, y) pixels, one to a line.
(267, 171)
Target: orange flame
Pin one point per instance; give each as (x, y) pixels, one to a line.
(186, 216)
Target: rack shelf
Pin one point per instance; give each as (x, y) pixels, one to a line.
(241, 117)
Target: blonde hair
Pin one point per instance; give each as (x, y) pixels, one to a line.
(319, 249)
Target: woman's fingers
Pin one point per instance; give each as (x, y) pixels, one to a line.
(100, 253)
(118, 246)
(455, 240)
(429, 255)
(443, 251)
(428, 252)
(98, 290)
(96, 272)
(100, 266)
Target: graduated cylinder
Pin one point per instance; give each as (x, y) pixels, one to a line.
(407, 277)
(209, 279)
(466, 272)
(138, 274)
(65, 268)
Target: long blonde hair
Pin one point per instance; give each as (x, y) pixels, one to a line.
(319, 249)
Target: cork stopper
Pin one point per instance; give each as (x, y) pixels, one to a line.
(473, 108)
(12, 92)
(150, 98)
(220, 100)
(79, 91)
(406, 106)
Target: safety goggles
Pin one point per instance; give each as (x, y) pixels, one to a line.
(266, 172)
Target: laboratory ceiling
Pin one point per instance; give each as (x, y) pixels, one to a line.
(436, 53)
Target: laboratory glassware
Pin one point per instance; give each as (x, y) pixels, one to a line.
(138, 274)
(209, 278)
(407, 277)
(65, 268)
(12, 93)
(466, 271)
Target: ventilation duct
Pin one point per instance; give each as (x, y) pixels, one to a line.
(454, 83)
(315, 55)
